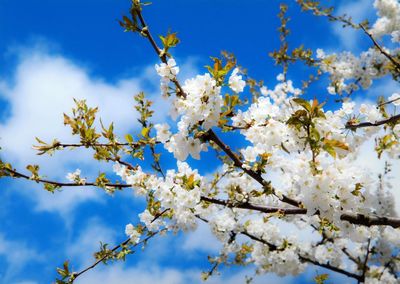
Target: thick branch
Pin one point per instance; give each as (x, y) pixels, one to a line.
(391, 119)
(249, 206)
(360, 219)
(355, 219)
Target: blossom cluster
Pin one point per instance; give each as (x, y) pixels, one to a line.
(388, 22)
(325, 178)
(302, 151)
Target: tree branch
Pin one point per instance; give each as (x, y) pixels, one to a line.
(360, 219)
(355, 219)
(391, 119)
(17, 174)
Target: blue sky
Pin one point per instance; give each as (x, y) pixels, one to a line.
(52, 51)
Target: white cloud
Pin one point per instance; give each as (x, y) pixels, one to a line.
(383, 87)
(149, 274)
(116, 274)
(359, 10)
(201, 240)
(368, 159)
(42, 89)
(17, 255)
(82, 248)
(39, 91)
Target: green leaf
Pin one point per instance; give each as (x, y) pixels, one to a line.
(129, 138)
(305, 104)
(336, 144)
(331, 151)
(34, 169)
(145, 132)
(321, 278)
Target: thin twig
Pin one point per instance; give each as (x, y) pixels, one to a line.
(17, 174)
(152, 234)
(273, 247)
(381, 50)
(365, 267)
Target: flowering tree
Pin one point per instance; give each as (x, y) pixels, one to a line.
(298, 164)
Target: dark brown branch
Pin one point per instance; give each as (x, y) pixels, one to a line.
(249, 206)
(76, 145)
(14, 173)
(330, 267)
(360, 219)
(273, 247)
(355, 219)
(77, 274)
(391, 119)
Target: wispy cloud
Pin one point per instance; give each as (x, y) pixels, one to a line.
(17, 255)
(40, 90)
(359, 10)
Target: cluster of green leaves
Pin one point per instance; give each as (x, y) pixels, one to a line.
(228, 111)
(5, 169)
(221, 68)
(143, 106)
(304, 120)
(67, 276)
(321, 278)
(325, 224)
(385, 143)
(168, 41)
(82, 122)
(34, 169)
(132, 23)
(105, 254)
(394, 68)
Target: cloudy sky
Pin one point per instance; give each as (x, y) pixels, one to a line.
(54, 51)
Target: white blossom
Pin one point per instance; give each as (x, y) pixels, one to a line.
(236, 83)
